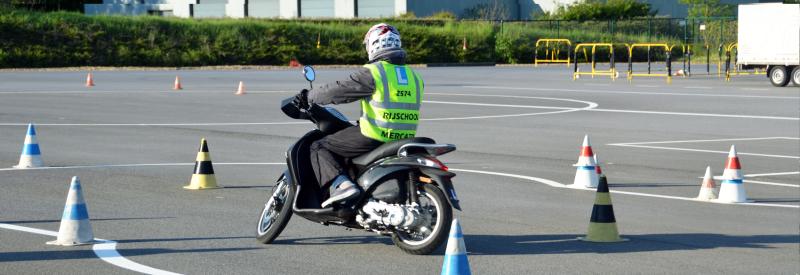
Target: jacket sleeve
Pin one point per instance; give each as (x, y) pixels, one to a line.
(359, 85)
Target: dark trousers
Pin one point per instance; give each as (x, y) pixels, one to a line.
(328, 154)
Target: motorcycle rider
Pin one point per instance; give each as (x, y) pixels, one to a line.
(390, 93)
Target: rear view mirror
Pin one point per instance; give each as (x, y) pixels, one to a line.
(310, 75)
(308, 72)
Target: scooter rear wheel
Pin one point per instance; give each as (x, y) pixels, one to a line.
(276, 212)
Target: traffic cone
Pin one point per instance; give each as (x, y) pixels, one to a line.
(586, 173)
(294, 63)
(597, 169)
(732, 189)
(455, 257)
(203, 176)
(31, 156)
(177, 85)
(89, 80)
(708, 187)
(75, 228)
(602, 225)
(240, 91)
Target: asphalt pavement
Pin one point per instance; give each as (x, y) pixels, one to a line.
(132, 140)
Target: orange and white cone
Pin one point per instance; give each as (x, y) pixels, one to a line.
(586, 172)
(89, 80)
(240, 91)
(177, 85)
(732, 187)
(708, 189)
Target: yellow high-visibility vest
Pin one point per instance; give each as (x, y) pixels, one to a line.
(392, 112)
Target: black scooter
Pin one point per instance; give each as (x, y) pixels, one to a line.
(408, 193)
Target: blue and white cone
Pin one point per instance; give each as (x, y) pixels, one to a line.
(75, 228)
(31, 157)
(455, 258)
(586, 170)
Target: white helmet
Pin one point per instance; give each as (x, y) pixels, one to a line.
(381, 38)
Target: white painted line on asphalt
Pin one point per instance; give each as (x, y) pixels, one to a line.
(589, 104)
(137, 165)
(106, 250)
(695, 114)
(138, 92)
(540, 180)
(643, 145)
(703, 151)
(633, 93)
(161, 124)
(772, 183)
(647, 86)
(559, 185)
(754, 89)
(595, 84)
(698, 87)
(772, 174)
(509, 105)
(702, 140)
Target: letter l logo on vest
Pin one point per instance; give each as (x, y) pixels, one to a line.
(402, 78)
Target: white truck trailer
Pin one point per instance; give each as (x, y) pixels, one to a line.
(769, 35)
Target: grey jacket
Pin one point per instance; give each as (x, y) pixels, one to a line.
(359, 85)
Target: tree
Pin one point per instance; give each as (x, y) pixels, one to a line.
(601, 10)
(707, 8)
(48, 5)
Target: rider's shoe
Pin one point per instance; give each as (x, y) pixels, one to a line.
(345, 191)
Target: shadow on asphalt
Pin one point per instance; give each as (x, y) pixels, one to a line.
(776, 200)
(183, 239)
(89, 254)
(567, 244)
(337, 240)
(247, 186)
(92, 219)
(623, 185)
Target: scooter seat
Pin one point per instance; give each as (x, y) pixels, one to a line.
(387, 149)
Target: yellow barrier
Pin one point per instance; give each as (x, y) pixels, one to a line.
(735, 69)
(552, 51)
(612, 72)
(667, 50)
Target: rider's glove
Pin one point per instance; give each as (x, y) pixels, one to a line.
(301, 99)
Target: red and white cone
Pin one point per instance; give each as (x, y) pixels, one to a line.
(177, 85)
(89, 80)
(708, 189)
(597, 166)
(240, 91)
(586, 171)
(732, 187)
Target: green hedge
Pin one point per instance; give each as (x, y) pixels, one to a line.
(34, 39)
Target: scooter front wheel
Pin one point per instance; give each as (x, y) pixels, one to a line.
(428, 236)
(276, 212)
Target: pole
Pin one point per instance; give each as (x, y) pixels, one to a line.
(708, 59)
(575, 59)
(669, 66)
(689, 59)
(648, 59)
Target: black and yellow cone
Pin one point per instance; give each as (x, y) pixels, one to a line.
(203, 176)
(603, 225)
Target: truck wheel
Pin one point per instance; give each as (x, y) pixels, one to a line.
(796, 76)
(779, 76)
